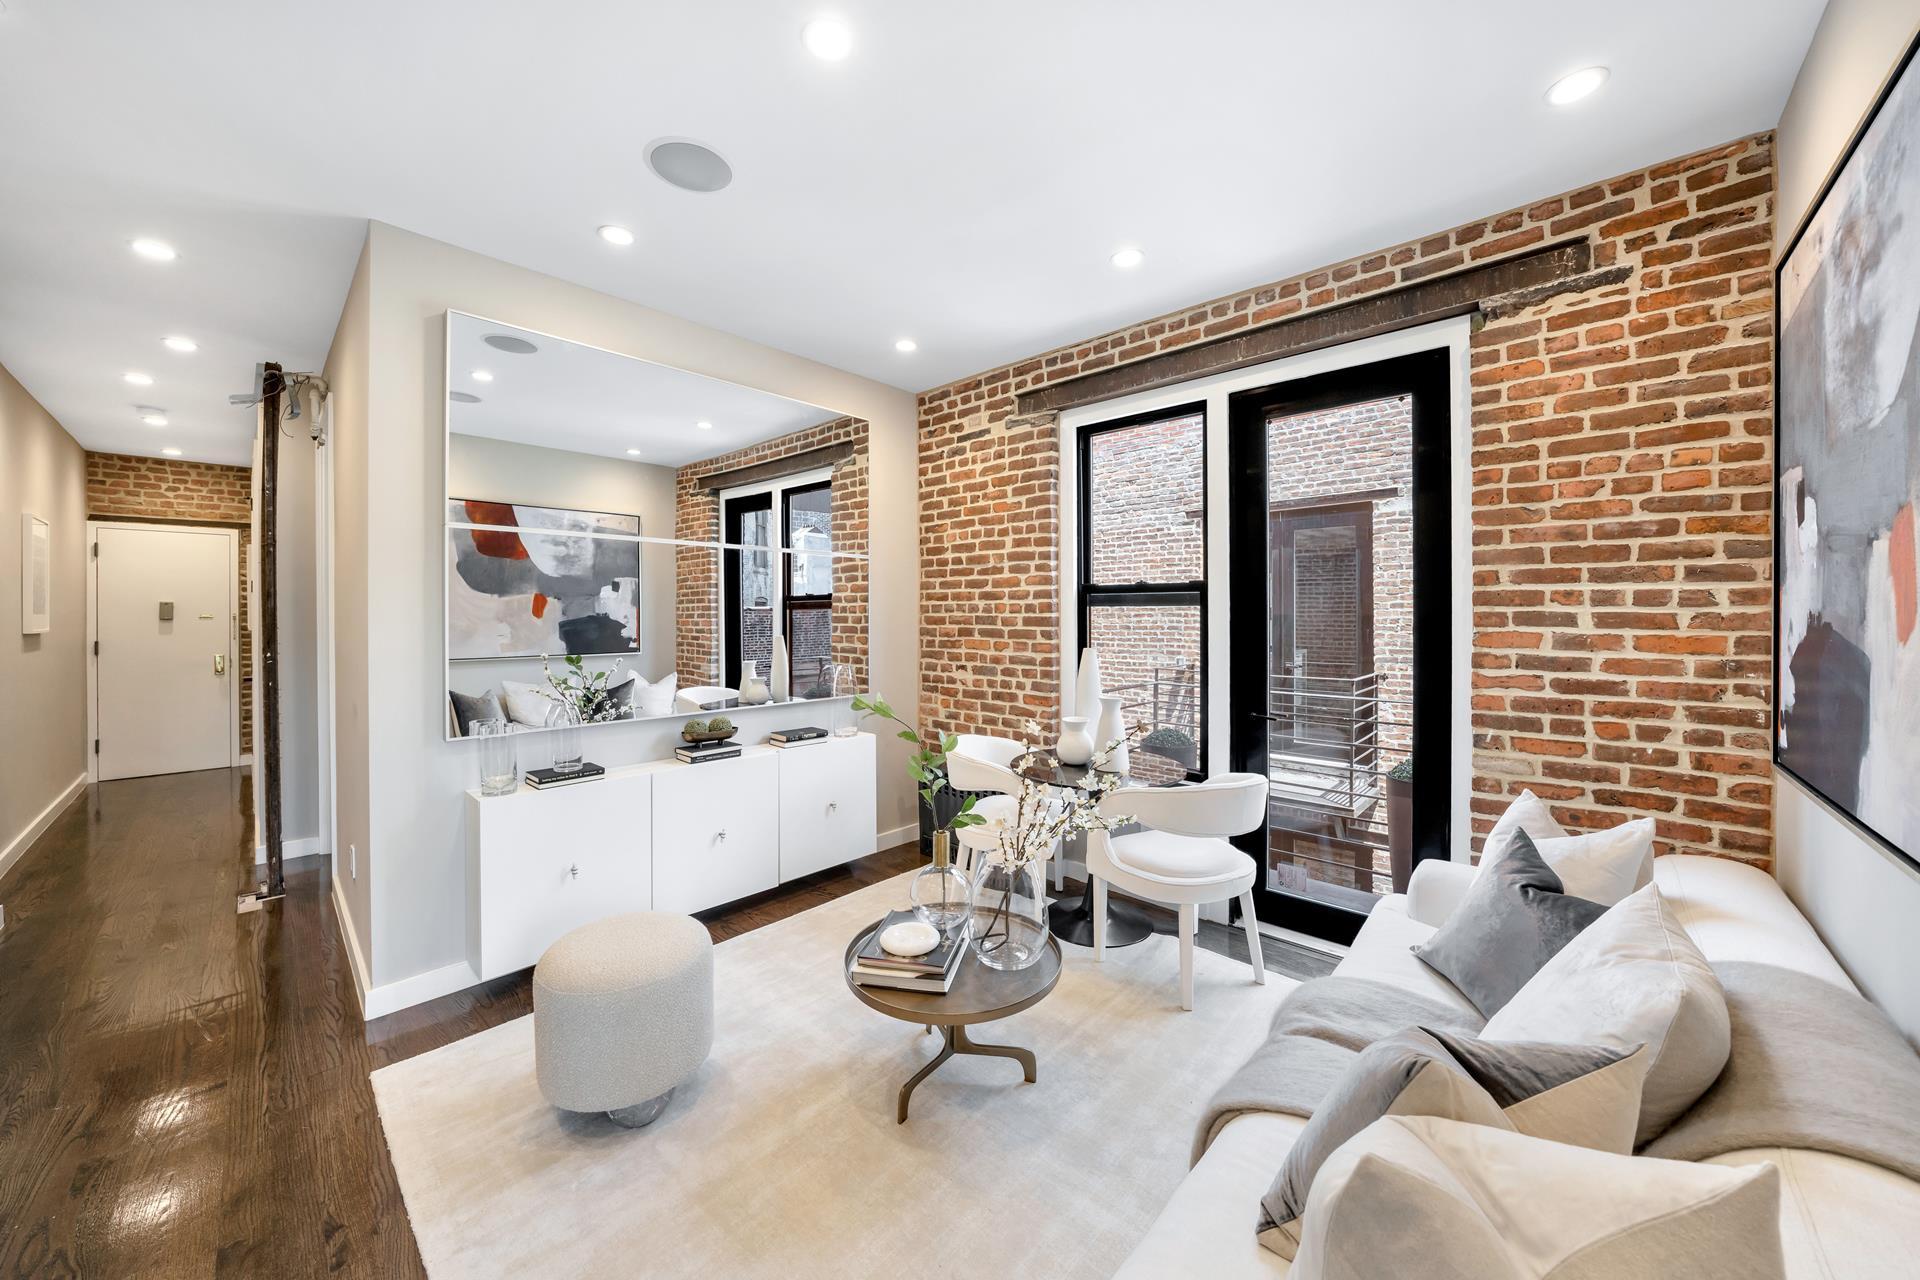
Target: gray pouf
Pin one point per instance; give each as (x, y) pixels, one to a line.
(623, 1013)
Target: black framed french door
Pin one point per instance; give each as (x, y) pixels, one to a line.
(750, 589)
(1340, 635)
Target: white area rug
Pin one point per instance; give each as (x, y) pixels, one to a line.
(782, 1158)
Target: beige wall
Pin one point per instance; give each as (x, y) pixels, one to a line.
(43, 678)
(415, 839)
(1863, 899)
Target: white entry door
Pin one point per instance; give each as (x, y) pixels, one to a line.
(166, 679)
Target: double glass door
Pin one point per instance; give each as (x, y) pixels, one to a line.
(1340, 632)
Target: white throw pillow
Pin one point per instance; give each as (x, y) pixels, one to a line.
(1600, 866)
(527, 705)
(1631, 977)
(1422, 1196)
(655, 698)
(1527, 813)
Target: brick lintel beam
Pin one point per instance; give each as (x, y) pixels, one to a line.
(1532, 276)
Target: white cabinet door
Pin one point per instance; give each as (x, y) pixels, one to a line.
(826, 804)
(545, 862)
(716, 832)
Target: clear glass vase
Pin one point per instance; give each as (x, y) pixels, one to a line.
(941, 895)
(565, 736)
(1008, 925)
(498, 773)
(846, 721)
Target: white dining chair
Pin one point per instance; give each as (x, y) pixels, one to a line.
(1182, 858)
(700, 696)
(981, 762)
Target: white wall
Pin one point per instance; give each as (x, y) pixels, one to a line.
(43, 678)
(1864, 900)
(414, 835)
(504, 471)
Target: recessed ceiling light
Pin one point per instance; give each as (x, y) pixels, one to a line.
(481, 375)
(616, 235)
(704, 426)
(507, 342)
(1129, 258)
(633, 453)
(155, 250)
(154, 419)
(185, 346)
(1577, 85)
(171, 452)
(828, 39)
(689, 165)
(463, 397)
(905, 345)
(138, 379)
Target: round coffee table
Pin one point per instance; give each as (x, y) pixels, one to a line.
(979, 994)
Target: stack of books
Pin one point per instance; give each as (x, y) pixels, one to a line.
(874, 966)
(701, 752)
(546, 779)
(800, 737)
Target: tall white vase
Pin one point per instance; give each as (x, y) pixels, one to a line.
(782, 672)
(1086, 698)
(1111, 729)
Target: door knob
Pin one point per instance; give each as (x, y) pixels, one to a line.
(219, 664)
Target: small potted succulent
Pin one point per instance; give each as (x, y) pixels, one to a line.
(1173, 745)
(717, 729)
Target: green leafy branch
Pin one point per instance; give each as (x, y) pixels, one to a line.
(927, 766)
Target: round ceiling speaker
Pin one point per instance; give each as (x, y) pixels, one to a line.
(507, 342)
(688, 165)
(463, 397)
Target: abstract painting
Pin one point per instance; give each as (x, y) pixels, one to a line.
(1847, 717)
(536, 582)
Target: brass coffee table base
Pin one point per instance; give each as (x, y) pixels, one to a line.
(954, 1041)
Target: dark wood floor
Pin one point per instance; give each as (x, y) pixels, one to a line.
(184, 1091)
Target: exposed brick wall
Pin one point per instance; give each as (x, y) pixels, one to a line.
(700, 639)
(1621, 499)
(121, 484)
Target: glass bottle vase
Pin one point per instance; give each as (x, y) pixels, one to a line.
(1008, 927)
(498, 774)
(565, 736)
(941, 895)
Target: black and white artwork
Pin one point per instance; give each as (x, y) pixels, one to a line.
(1848, 711)
(535, 581)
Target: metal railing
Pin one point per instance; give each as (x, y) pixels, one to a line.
(1333, 735)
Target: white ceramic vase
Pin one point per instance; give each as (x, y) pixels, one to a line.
(1076, 744)
(753, 690)
(1111, 729)
(1087, 690)
(782, 673)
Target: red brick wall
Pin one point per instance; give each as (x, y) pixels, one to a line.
(121, 484)
(1621, 496)
(700, 640)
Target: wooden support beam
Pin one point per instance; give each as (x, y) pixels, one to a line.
(828, 455)
(267, 689)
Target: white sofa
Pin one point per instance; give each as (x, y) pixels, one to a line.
(1840, 1219)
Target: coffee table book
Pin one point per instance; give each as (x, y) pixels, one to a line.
(938, 960)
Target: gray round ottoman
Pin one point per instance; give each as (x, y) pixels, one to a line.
(623, 1013)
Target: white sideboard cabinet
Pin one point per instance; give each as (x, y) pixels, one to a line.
(659, 836)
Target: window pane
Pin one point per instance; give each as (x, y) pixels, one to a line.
(1150, 659)
(1146, 502)
(810, 649)
(810, 537)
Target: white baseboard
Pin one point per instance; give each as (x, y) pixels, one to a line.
(291, 852)
(357, 962)
(41, 821)
(418, 989)
(895, 838)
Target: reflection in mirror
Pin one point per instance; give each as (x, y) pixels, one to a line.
(692, 544)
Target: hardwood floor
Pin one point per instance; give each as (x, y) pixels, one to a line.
(184, 1090)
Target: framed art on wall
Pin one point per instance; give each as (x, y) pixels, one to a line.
(36, 575)
(1846, 544)
(528, 581)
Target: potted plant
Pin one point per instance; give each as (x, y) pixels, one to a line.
(942, 809)
(1400, 822)
(1174, 745)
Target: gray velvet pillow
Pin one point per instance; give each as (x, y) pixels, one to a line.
(1586, 1095)
(468, 707)
(1512, 921)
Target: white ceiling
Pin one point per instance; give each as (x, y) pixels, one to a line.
(585, 400)
(961, 179)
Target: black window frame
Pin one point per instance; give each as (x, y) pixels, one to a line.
(732, 508)
(1090, 595)
(790, 600)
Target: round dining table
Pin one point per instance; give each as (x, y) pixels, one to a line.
(1071, 919)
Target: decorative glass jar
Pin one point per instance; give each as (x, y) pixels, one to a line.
(1008, 925)
(941, 895)
(565, 736)
(846, 721)
(498, 774)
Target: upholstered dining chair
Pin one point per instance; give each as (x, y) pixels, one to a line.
(981, 762)
(1182, 858)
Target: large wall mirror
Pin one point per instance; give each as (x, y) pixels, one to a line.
(701, 543)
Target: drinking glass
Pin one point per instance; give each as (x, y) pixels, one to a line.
(498, 772)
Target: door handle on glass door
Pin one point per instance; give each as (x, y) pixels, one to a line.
(219, 664)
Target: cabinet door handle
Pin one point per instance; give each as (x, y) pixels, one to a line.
(574, 871)
(833, 806)
(722, 835)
